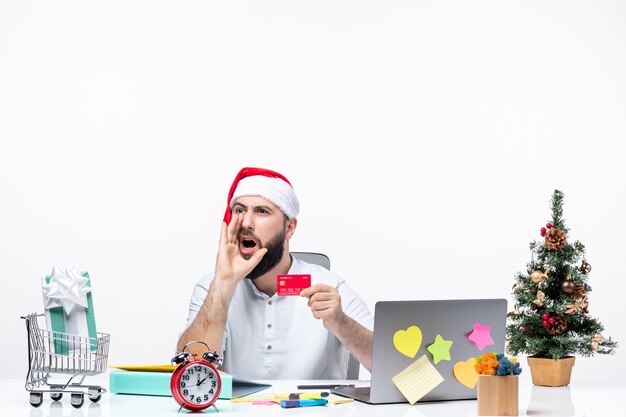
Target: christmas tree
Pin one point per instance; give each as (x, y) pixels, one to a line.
(551, 315)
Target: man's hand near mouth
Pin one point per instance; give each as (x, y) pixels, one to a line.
(236, 258)
(230, 269)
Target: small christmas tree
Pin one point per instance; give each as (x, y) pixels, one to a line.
(551, 315)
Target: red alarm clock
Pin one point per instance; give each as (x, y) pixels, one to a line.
(195, 383)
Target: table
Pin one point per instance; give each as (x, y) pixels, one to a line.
(577, 400)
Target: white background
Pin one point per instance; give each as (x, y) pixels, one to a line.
(424, 139)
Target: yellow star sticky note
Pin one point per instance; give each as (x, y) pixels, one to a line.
(440, 349)
(417, 379)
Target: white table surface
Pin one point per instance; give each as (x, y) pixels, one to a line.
(576, 400)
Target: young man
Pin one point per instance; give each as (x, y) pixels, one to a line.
(236, 310)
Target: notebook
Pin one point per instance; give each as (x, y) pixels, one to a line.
(412, 346)
(155, 380)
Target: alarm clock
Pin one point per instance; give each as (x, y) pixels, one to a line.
(195, 383)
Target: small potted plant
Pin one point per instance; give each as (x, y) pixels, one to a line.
(497, 385)
(551, 322)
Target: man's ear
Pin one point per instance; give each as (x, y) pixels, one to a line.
(290, 228)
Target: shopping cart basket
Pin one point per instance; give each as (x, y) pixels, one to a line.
(51, 352)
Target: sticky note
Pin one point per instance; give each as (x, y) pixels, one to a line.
(481, 335)
(465, 373)
(334, 399)
(146, 368)
(255, 399)
(417, 379)
(408, 341)
(440, 349)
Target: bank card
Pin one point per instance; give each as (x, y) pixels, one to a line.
(292, 284)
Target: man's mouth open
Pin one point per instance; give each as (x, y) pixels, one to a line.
(247, 246)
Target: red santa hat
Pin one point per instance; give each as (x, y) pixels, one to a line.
(267, 184)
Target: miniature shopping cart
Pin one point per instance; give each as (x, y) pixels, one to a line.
(51, 352)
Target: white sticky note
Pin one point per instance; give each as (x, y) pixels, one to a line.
(417, 379)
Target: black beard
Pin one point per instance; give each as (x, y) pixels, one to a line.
(275, 249)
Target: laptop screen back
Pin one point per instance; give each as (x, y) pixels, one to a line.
(445, 321)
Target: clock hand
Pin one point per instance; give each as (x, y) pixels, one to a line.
(200, 383)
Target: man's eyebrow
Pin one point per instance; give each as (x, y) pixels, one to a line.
(254, 207)
(262, 206)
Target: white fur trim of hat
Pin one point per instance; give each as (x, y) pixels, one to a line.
(275, 190)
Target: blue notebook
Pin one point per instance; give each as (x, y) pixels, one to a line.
(158, 384)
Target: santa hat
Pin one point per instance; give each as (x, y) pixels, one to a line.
(267, 184)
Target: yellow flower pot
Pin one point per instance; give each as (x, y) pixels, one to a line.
(551, 372)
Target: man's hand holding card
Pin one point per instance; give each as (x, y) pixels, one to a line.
(325, 303)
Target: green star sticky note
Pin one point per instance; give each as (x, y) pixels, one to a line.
(440, 349)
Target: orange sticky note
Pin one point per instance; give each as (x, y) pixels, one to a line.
(465, 373)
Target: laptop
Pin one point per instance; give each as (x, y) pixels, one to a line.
(452, 320)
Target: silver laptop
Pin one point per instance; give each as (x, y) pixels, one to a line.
(453, 320)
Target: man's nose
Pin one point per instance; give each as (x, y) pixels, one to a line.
(248, 220)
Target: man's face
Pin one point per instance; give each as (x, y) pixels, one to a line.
(263, 226)
(275, 250)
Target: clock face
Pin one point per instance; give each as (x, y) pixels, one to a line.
(199, 385)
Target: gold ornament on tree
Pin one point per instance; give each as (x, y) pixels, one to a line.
(540, 278)
(539, 300)
(596, 340)
(580, 306)
(585, 268)
(515, 312)
(555, 239)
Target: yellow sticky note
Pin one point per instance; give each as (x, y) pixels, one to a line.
(408, 341)
(337, 399)
(417, 379)
(146, 368)
(255, 399)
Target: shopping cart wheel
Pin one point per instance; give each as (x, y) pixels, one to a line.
(56, 396)
(95, 398)
(36, 399)
(77, 400)
(94, 393)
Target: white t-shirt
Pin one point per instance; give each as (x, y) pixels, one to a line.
(277, 337)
